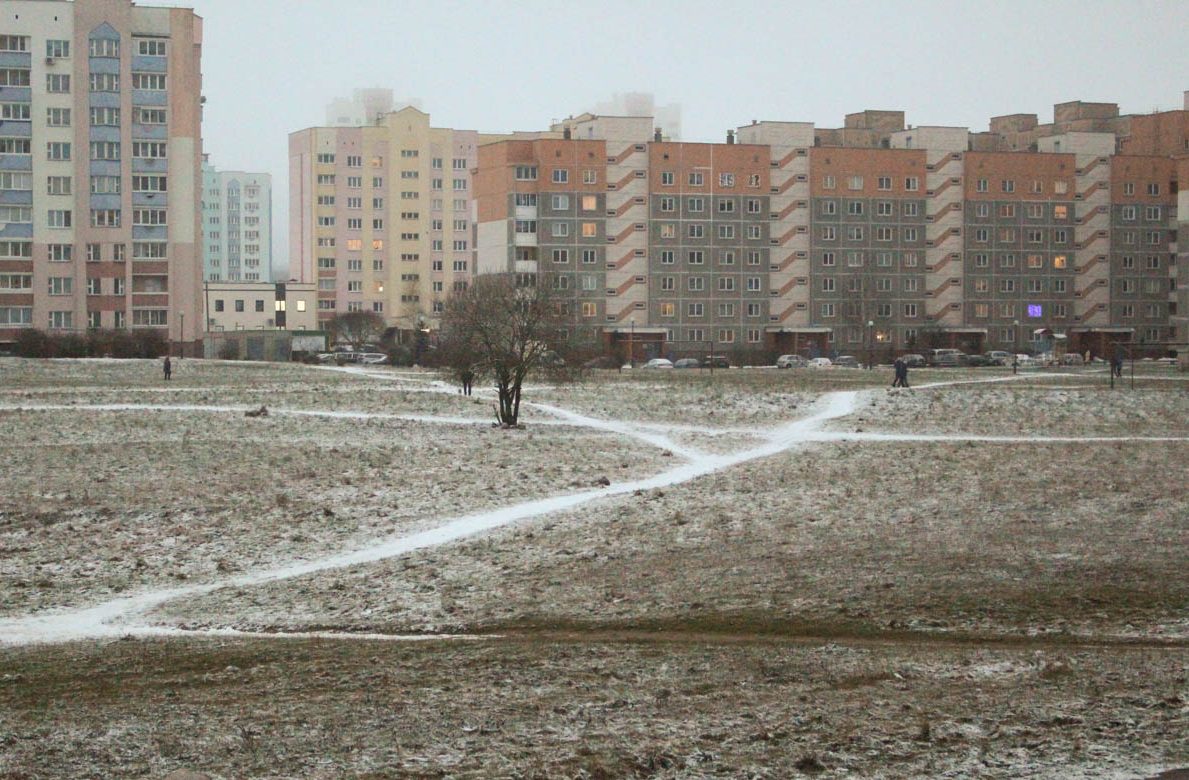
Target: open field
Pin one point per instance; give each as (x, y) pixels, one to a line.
(749, 574)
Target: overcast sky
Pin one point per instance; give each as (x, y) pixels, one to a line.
(271, 66)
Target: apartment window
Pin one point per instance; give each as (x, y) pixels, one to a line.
(854, 208)
(695, 257)
(883, 208)
(1036, 261)
(666, 178)
(694, 310)
(829, 233)
(726, 180)
(726, 231)
(854, 182)
(828, 259)
(148, 116)
(726, 258)
(526, 172)
(696, 230)
(982, 285)
(105, 150)
(912, 183)
(726, 283)
(1153, 188)
(855, 259)
(561, 255)
(1059, 285)
(828, 182)
(61, 285)
(149, 250)
(828, 284)
(105, 185)
(854, 233)
(61, 320)
(560, 176)
(981, 185)
(560, 229)
(1059, 261)
(377, 182)
(1152, 263)
(884, 234)
(55, 218)
(150, 81)
(827, 310)
(1007, 285)
(1008, 185)
(58, 184)
(459, 184)
(668, 203)
(1007, 235)
(667, 257)
(696, 283)
(1128, 188)
(22, 146)
(696, 179)
(910, 310)
(159, 149)
(726, 206)
(754, 257)
(696, 205)
(1060, 212)
(105, 82)
(911, 285)
(1060, 236)
(1007, 261)
(1035, 236)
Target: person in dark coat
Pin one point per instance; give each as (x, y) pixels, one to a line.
(168, 368)
(901, 369)
(467, 377)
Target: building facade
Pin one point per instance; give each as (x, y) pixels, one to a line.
(380, 215)
(871, 238)
(236, 225)
(260, 306)
(100, 152)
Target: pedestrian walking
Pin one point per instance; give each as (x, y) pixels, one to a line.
(467, 377)
(168, 368)
(897, 368)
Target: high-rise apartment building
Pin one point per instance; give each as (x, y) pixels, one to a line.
(100, 148)
(870, 237)
(380, 215)
(236, 225)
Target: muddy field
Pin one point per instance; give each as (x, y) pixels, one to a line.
(851, 602)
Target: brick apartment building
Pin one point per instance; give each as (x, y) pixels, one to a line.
(871, 237)
(100, 153)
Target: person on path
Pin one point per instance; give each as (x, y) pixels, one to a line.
(168, 368)
(467, 377)
(898, 369)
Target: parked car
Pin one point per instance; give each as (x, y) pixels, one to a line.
(820, 362)
(913, 360)
(659, 363)
(944, 357)
(373, 358)
(846, 361)
(976, 361)
(791, 361)
(716, 361)
(1072, 359)
(998, 357)
(687, 363)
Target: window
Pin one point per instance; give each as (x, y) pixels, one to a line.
(151, 48)
(726, 206)
(1059, 285)
(55, 218)
(754, 284)
(560, 229)
(828, 259)
(696, 283)
(982, 285)
(912, 183)
(668, 203)
(61, 320)
(696, 179)
(827, 310)
(56, 117)
(854, 182)
(1128, 188)
(560, 176)
(981, 185)
(667, 257)
(696, 230)
(726, 231)
(829, 233)
(1008, 185)
(668, 283)
(854, 207)
(1007, 285)
(105, 185)
(828, 182)
(726, 283)
(158, 150)
(1153, 188)
(154, 82)
(1007, 261)
(883, 183)
(105, 82)
(1059, 261)
(910, 310)
(854, 233)
(61, 285)
(526, 173)
(590, 256)
(726, 258)
(855, 259)
(561, 255)
(104, 47)
(883, 208)
(695, 257)
(695, 205)
(18, 146)
(726, 180)
(828, 284)
(884, 234)
(148, 116)
(105, 150)
(1034, 236)
(694, 310)
(666, 178)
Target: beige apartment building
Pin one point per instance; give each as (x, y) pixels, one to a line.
(100, 154)
(380, 215)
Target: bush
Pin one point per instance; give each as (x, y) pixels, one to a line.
(229, 350)
(400, 355)
(32, 343)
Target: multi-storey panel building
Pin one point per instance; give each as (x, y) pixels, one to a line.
(100, 148)
(868, 238)
(236, 225)
(380, 215)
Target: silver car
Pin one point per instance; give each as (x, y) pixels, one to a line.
(791, 361)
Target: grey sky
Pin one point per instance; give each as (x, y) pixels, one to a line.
(271, 66)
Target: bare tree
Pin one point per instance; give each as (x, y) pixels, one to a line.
(505, 325)
(357, 328)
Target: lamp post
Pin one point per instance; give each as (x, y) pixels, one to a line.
(632, 342)
(181, 335)
(870, 325)
(1015, 347)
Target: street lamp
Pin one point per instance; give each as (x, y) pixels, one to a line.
(632, 342)
(870, 325)
(1015, 349)
(181, 335)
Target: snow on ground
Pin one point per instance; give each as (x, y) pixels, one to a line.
(752, 593)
